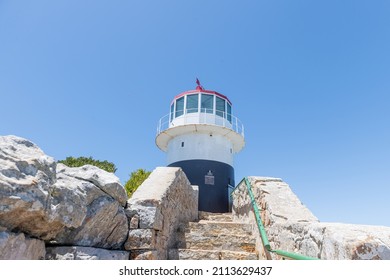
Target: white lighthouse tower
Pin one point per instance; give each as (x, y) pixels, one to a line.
(201, 136)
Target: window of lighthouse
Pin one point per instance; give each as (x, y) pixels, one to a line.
(229, 112)
(192, 103)
(179, 107)
(220, 107)
(172, 110)
(207, 103)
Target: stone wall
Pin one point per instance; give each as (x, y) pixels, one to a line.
(164, 201)
(292, 227)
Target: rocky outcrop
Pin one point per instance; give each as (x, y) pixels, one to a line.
(56, 205)
(164, 201)
(332, 241)
(17, 246)
(292, 227)
(94, 216)
(26, 179)
(107, 182)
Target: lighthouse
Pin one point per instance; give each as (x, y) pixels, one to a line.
(201, 136)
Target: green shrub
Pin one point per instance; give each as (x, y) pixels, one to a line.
(136, 179)
(80, 161)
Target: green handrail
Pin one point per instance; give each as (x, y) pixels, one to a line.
(262, 231)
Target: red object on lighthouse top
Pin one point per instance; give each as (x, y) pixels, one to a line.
(200, 89)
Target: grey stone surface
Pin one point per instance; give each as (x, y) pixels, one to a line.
(356, 242)
(106, 181)
(17, 246)
(194, 254)
(84, 253)
(96, 218)
(277, 201)
(332, 241)
(143, 255)
(164, 201)
(26, 179)
(290, 226)
(60, 205)
(141, 239)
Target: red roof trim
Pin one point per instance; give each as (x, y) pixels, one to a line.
(201, 91)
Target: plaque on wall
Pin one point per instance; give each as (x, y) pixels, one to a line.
(209, 178)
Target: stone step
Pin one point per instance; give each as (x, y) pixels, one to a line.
(214, 237)
(195, 254)
(219, 242)
(211, 228)
(222, 217)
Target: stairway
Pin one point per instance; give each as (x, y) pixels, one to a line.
(214, 237)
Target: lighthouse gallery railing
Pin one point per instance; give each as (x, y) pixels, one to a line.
(219, 118)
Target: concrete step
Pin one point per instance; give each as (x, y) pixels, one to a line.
(195, 254)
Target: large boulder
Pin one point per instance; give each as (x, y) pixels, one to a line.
(105, 181)
(97, 219)
(17, 246)
(26, 179)
(291, 227)
(332, 241)
(60, 205)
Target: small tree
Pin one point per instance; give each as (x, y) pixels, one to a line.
(80, 161)
(136, 179)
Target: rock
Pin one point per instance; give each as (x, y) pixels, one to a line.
(291, 227)
(60, 205)
(141, 239)
(96, 218)
(102, 179)
(277, 204)
(146, 217)
(84, 253)
(26, 179)
(275, 199)
(17, 246)
(332, 241)
(134, 222)
(164, 201)
(356, 242)
(143, 255)
(195, 254)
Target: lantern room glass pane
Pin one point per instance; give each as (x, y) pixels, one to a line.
(220, 106)
(179, 107)
(192, 103)
(229, 112)
(207, 103)
(172, 110)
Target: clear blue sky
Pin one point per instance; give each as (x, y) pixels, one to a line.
(310, 80)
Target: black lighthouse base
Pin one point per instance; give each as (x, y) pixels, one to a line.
(213, 179)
